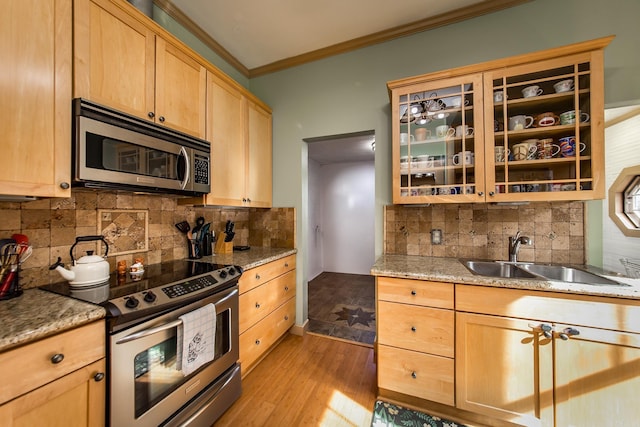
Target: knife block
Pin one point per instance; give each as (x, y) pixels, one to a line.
(223, 247)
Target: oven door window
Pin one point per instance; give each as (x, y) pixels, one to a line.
(155, 372)
(109, 154)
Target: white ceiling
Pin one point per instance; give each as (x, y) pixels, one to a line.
(261, 32)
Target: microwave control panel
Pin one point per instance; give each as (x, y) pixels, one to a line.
(201, 170)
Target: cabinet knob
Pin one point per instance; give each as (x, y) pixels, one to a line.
(492, 193)
(161, 119)
(567, 333)
(413, 293)
(151, 114)
(64, 185)
(257, 305)
(98, 377)
(57, 358)
(286, 264)
(414, 375)
(286, 289)
(244, 200)
(257, 342)
(413, 329)
(286, 317)
(480, 193)
(248, 200)
(257, 276)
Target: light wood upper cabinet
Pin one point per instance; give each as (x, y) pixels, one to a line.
(239, 129)
(121, 62)
(35, 107)
(456, 140)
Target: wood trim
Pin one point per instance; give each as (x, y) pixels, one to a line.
(626, 116)
(430, 23)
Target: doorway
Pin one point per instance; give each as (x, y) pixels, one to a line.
(341, 198)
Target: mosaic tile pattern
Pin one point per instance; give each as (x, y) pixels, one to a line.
(482, 231)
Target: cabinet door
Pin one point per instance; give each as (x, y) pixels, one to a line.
(74, 400)
(597, 378)
(35, 108)
(114, 58)
(225, 118)
(259, 184)
(181, 84)
(544, 130)
(504, 369)
(438, 148)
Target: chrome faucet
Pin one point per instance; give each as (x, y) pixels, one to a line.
(514, 245)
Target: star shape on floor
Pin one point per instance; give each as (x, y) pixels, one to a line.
(353, 316)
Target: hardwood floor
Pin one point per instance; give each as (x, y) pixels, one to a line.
(308, 381)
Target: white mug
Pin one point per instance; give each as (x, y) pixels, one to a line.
(563, 86)
(501, 153)
(498, 96)
(520, 122)
(457, 102)
(405, 137)
(444, 131)
(531, 91)
(465, 130)
(463, 156)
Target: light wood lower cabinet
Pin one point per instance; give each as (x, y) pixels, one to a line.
(267, 308)
(541, 370)
(57, 381)
(415, 339)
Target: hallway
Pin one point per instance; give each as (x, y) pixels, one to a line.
(342, 305)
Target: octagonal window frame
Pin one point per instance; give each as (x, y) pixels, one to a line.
(624, 201)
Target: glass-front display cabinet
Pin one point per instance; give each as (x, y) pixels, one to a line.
(544, 131)
(438, 148)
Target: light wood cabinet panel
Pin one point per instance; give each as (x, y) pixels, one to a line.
(417, 374)
(74, 400)
(426, 329)
(260, 301)
(122, 62)
(35, 108)
(259, 170)
(449, 127)
(263, 273)
(418, 292)
(257, 340)
(25, 368)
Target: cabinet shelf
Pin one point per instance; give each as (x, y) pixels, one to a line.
(541, 131)
(540, 163)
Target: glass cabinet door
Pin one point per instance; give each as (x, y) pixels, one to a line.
(438, 141)
(541, 146)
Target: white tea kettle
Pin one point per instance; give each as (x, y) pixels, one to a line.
(89, 270)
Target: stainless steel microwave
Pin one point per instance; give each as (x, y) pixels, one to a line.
(113, 150)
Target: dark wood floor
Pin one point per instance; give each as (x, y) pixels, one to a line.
(308, 381)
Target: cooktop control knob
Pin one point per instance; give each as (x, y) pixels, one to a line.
(232, 271)
(223, 274)
(132, 302)
(149, 296)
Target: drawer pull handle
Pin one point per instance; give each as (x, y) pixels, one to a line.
(257, 305)
(98, 377)
(286, 264)
(413, 329)
(286, 317)
(57, 358)
(257, 342)
(286, 289)
(414, 375)
(257, 276)
(413, 293)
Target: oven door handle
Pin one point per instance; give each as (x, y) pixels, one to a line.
(169, 325)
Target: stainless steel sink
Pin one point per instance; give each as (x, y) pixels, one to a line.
(525, 270)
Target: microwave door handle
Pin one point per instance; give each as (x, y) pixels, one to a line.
(187, 171)
(172, 324)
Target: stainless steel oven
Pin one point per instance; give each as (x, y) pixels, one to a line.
(146, 386)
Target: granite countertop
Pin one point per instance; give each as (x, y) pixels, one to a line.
(452, 270)
(38, 314)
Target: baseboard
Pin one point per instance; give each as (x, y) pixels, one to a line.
(300, 330)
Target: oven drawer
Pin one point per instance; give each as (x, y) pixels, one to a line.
(259, 338)
(33, 365)
(262, 274)
(260, 301)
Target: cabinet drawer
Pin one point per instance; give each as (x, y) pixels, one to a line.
(424, 329)
(416, 374)
(612, 313)
(256, 276)
(417, 292)
(28, 367)
(258, 339)
(260, 301)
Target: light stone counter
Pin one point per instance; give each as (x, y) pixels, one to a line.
(251, 258)
(38, 314)
(452, 270)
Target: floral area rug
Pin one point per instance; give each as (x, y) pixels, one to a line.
(389, 415)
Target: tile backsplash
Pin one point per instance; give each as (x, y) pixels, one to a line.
(53, 224)
(482, 231)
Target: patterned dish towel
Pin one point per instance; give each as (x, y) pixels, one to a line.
(196, 339)
(389, 415)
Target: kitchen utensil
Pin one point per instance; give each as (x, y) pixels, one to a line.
(88, 270)
(229, 232)
(198, 227)
(183, 226)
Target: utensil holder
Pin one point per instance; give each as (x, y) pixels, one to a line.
(14, 289)
(223, 247)
(195, 251)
